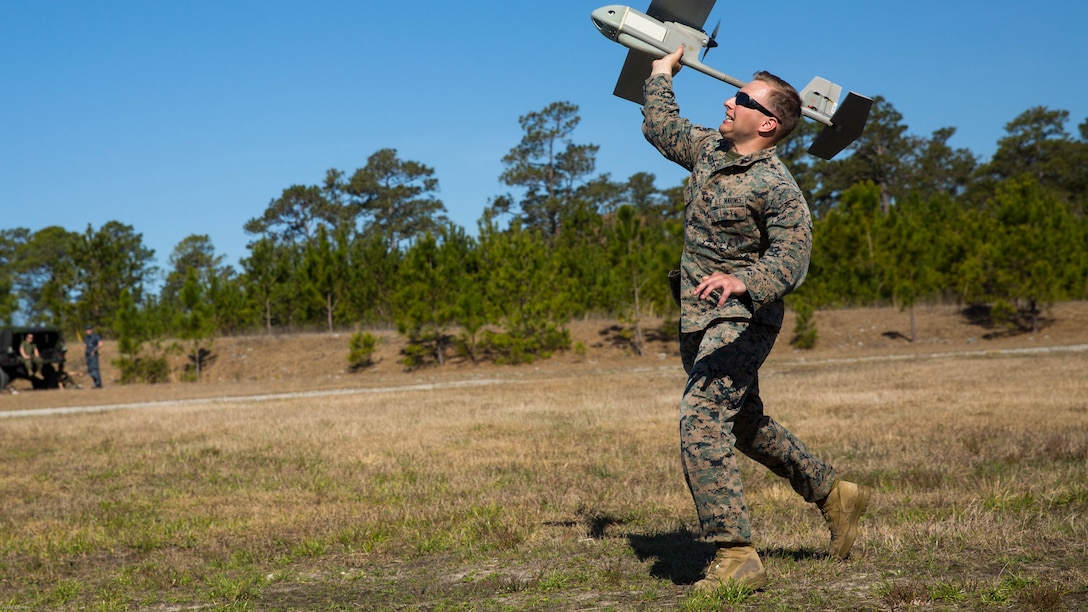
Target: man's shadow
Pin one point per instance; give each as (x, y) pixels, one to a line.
(681, 557)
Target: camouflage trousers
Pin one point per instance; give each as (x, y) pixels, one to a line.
(721, 411)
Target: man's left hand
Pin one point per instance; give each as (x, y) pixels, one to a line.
(727, 283)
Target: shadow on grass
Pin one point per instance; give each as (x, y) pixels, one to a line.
(794, 555)
(1006, 322)
(681, 557)
(595, 525)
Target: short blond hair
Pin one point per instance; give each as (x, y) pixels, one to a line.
(783, 100)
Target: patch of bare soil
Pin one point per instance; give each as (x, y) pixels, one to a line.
(282, 363)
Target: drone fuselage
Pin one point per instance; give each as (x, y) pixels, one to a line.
(650, 38)
(641, 32)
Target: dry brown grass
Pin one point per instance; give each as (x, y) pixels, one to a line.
(551, 486)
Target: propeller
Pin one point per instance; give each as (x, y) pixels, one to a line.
(713, 42)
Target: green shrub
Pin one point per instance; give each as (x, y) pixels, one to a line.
(143, 369)
(1003, 315)
(804, 330)
(361, 350)
(526, 347)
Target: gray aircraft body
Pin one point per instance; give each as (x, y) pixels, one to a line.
(669, 24)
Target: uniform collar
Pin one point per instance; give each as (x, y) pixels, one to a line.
(725, 157)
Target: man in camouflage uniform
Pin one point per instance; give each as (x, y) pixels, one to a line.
(747, 241)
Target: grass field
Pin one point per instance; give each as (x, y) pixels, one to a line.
(554, 486)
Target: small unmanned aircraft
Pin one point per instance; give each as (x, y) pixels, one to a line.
(667, 24)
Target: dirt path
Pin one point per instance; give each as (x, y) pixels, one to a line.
(483, 382)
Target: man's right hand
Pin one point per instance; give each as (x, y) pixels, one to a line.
(670, 64)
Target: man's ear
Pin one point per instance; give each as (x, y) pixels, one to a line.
(768, 127)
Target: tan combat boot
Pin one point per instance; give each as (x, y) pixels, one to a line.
(739, 564)
(842, 510)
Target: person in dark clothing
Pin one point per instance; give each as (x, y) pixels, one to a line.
(92, 343)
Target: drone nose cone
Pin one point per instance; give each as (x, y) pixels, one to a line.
(607, 20)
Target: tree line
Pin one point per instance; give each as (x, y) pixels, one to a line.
(898, 219)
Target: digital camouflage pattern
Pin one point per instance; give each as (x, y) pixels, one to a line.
(744, 215)
(721, 410)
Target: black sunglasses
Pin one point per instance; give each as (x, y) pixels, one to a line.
(746, 101)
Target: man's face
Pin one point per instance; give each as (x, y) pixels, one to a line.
(742, 123)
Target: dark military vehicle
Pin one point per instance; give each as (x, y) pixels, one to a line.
(51, 348)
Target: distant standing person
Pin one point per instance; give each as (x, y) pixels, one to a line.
(92, 342)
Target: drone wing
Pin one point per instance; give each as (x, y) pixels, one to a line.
(636, 68)
(638, 64)
(688, 12)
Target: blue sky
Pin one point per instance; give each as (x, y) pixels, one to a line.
(188, 117)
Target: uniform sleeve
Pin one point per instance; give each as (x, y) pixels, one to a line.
(662, 125)
(784, 264)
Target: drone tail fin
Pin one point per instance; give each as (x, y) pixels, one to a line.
(847, 124)
(845, 121)
(820, 97)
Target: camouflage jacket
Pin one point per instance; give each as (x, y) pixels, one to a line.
(743, 216)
